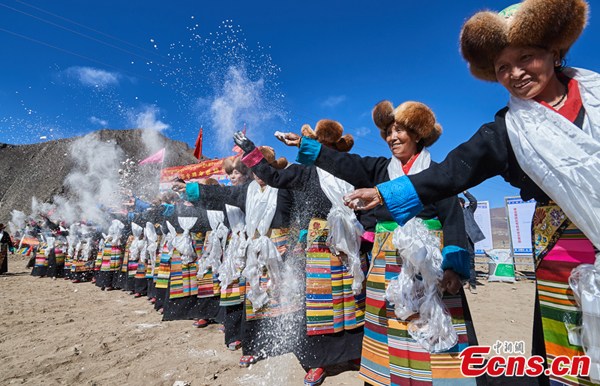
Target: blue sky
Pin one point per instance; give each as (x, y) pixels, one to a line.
(71, 67)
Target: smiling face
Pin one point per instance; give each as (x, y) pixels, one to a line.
(236, 177)
(403, 144)
(528, 72)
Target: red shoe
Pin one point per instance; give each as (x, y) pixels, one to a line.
(75, 281)
(314, 377)
(137, 295)
(153, 300)
(234, 345)
(201, 323)
(247, 360)
(161, 310)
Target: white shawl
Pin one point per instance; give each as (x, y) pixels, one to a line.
(561, 159)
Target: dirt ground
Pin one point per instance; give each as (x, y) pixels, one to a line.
(54, 332)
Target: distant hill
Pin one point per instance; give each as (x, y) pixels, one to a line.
(40, 169)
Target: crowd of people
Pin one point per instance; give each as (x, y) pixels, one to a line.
(290, 258)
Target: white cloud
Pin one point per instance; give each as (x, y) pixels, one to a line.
(362, 131)
(240, 101)
(333, 101)
(147, 119)
(94, 77)
(98, 121)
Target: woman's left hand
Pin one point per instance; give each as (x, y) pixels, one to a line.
(450, 282)
(178, 186)
(290, 139)
(362, 199)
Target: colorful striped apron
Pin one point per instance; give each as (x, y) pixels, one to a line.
(559, 247)
(140, 272)
(331, 306)
(208, 284)
(182, 282)
(41, 260)
(235, 292)
(389, 355)
(163, 272)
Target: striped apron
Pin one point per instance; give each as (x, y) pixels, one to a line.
(41, 260)
(331, 306)
(208, 285)
(390, 356)
(559, 246)
(182, 282)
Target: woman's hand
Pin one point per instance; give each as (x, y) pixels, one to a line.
(363, 199)
(243, 142)
(178, 186)
(290, 139)
(450, 282)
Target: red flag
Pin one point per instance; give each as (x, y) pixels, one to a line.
(198, 149)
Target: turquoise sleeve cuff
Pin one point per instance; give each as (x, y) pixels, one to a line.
(192, 190)
(309, 151)
(456, 259)
(169, 209)
(401, 199)
(303, 235)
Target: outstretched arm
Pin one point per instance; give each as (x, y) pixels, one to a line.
(293, 177)
(361, 172)
(483, 156)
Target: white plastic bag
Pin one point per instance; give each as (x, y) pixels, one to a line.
(234, 256)
(152, 244)
(344, 229)
(183, 243)
(213, 251)
(420, 254)
(134, 247)
(261, 205)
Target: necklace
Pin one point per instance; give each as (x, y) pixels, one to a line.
(562, 98)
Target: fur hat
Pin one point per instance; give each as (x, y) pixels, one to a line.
(414, 117)
(235, 163)
(329, 133)
(269, 154)
(554, 24)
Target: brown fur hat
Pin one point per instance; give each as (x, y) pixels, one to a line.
(235, 163)
(553, 24)
(210, 181)
(329, 133)
(414, 117)
(269, 154)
